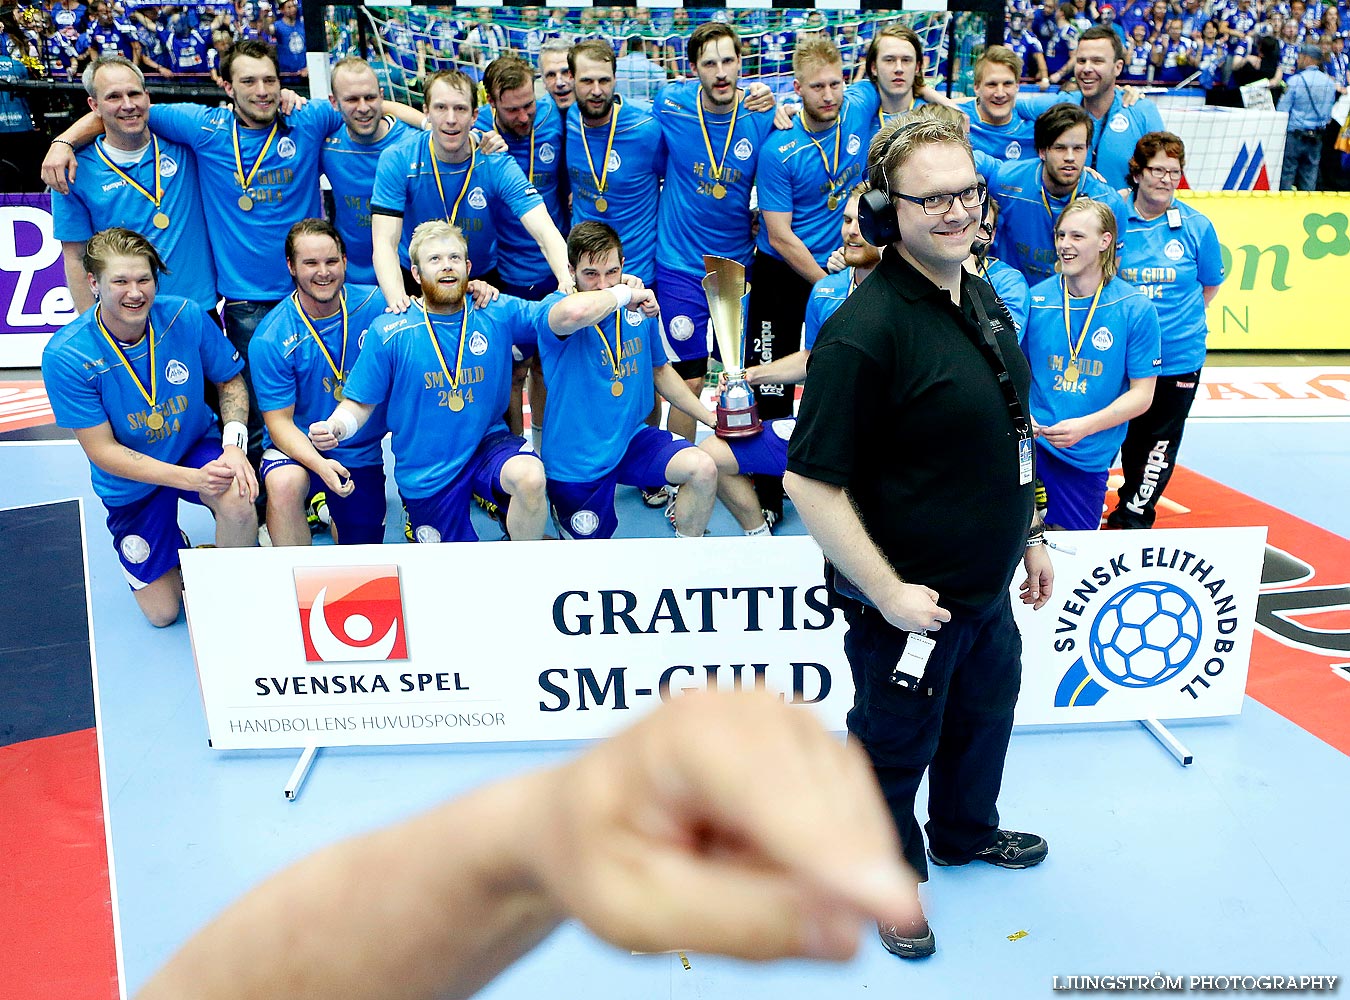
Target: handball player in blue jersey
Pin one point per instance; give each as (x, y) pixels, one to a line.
(713, 141)
(443, 367)
(602, 354)
(127, 377)
(351, 154)
(1032, 193)
(443, 174)
(1093, 344)
(766, 453)
(615, 158)
(303, 354)
(533, 135)
(134, 180)
(1173, 256)
(996, 127)
(803, 181)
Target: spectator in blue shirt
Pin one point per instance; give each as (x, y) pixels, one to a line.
(1308, 99)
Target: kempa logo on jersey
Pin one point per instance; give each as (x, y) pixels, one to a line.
(1155, 617)
(351, 614)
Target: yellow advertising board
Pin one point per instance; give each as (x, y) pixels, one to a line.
(1287, 260)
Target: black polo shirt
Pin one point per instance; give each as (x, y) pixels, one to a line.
(902, 408)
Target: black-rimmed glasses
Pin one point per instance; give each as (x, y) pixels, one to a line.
(941, 204)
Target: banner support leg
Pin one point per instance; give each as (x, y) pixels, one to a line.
(302, 766)
(1164, 736)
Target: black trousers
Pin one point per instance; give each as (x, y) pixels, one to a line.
(778, 298)
(956, 725)
(1150, 450)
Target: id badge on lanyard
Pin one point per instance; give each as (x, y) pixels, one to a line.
(1024, 461)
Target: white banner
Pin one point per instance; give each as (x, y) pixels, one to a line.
(462, 643)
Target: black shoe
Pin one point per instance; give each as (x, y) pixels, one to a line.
(908, 942)
(1010, 849)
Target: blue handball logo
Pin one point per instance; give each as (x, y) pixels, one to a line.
(1145, 635)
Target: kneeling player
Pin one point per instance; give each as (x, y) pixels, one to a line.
(602, 354)
(303, 353)
(444, 370)
(127, 377)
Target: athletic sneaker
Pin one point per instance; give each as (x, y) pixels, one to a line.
(317, 513)
(909, 942)
(673, 492)
(407, 524)
(264, 537)
(489, 508)
(1010, 849)
(658, 497)
(770, 517)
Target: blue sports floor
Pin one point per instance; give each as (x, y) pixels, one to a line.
(1235, 865)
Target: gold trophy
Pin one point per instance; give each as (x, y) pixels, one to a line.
(724, 285)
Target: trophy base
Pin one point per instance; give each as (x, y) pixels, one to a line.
(742, 423)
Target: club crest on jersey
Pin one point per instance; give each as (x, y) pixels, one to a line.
(1102, 339)
(477, 199)
(854, 144)
(743, 150)
(176, 372)
(1119, 123)
(546, 152)
(478, 344)
(168, 166)
(427, 535)
(584, 522)
(1014, 151)
(681, 328)
(286, 147)
(135, 549)
(1174, 250)
(351, 613)
(784, 428)
(613, 162)
(633, 318)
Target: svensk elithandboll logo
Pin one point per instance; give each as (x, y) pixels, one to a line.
(1145, 635)
(176, 372)
(477, 199)
(478, 344)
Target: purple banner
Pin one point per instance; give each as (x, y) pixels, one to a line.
(33, 293)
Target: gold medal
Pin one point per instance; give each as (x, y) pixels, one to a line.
(246, 203)
(455, 402)
(1071, 370)
(154, 421)
(1071, 373)
(833, 202)
(719, 191)
(160, 220)
(616, 389)
(338, 394)
(600, 204)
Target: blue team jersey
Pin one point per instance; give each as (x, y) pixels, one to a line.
(290, 370)
(827, 295)
(398, 365)
(1171, 267)
(691, 220)
(868, 99)
(250, 262)
(1012, 288)
(1138, 61)
(99, 198)
(540, 158)
(290, 45)
(350, 168)
(1114, 135)
(798, 174)
(1027, 214)
(487, 188)
(1014, 140)
(588, 427)
(1123, 344)
(1059, 46)
(636, 165)
(88, 386)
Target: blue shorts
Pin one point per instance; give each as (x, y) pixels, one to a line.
(586, 510)
(765, 454)
(1075, 497)
(145, 532)
(684, 315)
(444, 515)
(359, 518)
(531, 293)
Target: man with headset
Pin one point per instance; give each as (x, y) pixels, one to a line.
(929, 544)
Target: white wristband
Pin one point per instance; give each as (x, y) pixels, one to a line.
(343, 424)
(623, 293)
(235, 434)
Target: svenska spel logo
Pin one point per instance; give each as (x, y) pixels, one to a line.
(351, 613)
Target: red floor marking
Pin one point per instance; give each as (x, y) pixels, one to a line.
(24, 404)
(55, 914)
(1290, 673)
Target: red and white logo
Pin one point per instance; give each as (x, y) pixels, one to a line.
(351, 613)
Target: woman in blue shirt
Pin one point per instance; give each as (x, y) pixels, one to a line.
(1172, 255)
